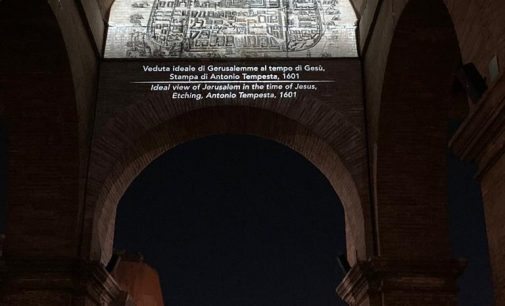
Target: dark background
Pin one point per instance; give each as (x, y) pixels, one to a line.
(239, 220)
(236, 220)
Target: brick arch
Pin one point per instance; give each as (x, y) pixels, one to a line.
(39, 114)
(314, 131)
(410, 128)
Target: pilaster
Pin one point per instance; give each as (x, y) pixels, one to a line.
(35, 281)
(386, 282)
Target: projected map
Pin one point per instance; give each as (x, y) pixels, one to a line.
(231, 28)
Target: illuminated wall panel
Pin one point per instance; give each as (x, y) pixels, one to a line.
(231, 28)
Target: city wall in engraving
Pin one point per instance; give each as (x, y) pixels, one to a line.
(231, 28)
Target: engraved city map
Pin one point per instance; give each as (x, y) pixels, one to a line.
(231, 28)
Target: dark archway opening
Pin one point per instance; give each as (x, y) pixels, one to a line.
(236, 220)
(468, 230)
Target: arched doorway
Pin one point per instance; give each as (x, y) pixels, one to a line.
(41, 125)
(195, 46)
(218, 120)
(236, 220)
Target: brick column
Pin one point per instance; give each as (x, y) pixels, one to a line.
(57, 282)
(396, 282)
